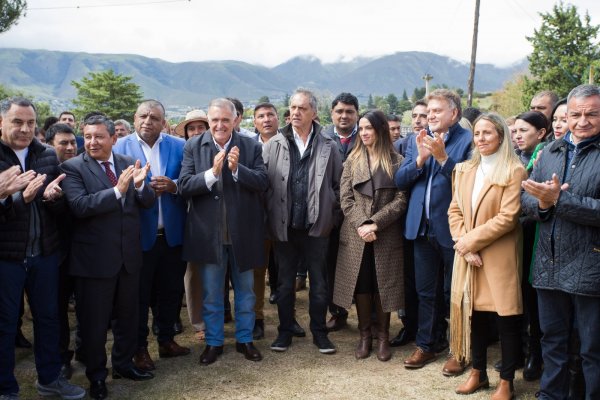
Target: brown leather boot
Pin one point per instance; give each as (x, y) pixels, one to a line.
(504, 391)
(363, 310)
(384, 351)
(476, 380)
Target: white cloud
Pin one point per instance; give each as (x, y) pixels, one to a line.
(270, 32)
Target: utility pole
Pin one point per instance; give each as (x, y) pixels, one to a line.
(427, 78)
(473, 57)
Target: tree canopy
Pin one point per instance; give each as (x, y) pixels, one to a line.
(563, 51)
(10, 12)
(113, 94)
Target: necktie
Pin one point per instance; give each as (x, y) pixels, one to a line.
(111, 176)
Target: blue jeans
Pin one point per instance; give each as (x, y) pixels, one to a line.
(213, 283)
(39, 277)
(558, 311)
(433, 277)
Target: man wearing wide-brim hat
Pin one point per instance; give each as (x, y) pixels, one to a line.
(195, 123)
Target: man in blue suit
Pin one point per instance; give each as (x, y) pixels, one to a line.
(427, 173)
(161, 230)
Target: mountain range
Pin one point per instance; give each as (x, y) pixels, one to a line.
(47, 75)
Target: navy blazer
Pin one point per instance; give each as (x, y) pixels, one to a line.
(106, 230)
(173, 206)
(410, 178)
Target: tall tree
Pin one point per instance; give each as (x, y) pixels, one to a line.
(418, 94)
(264, 99)
(113, 94)
(10, 12)
(404, 95)
(563, 51)
(392, 102)
(370, 103)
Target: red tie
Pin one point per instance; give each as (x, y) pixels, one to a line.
(345, 140)
(111, 176)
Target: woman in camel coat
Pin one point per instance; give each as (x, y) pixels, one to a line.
(484, 222)
(369, 264)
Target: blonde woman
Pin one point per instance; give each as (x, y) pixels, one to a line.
(484, 222)
(369, 264)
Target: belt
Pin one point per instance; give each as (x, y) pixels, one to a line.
(160, 232)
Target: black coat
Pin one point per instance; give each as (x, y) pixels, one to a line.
(568, 249)
(106, 232)
(15, 213)
(203, 237)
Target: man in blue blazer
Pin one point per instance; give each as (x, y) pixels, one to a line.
(161, 230)
(427, 173)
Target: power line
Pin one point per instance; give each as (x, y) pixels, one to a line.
(141, 3)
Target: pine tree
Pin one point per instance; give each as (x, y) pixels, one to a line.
(113, 94)
(563, 51)
(370, 103)
(404, 95)
(392, 101)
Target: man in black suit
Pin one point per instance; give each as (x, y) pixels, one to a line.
(104, 192)
(223, 177)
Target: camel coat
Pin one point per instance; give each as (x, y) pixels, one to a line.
(492, 229)
(361, 205)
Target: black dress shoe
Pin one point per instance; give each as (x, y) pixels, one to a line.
(98, 390)
(133, 373)
(178, 326)
(533, 367)
(21, 341)
(403, 338)
(210, 354)
(337, 322)
(297, 330)
(273, 298)
(259, 329)
(249, 351)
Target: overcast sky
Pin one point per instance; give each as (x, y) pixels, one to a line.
(269, 32)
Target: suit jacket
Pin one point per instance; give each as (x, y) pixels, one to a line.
(203, 238)
(106, 231)
(409, 178)
(329, 132)
(173, 206)
(492, 229)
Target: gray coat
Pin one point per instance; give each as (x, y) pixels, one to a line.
(323, 184)
(361, 204)
(568, 250)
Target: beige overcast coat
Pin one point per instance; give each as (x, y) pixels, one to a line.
(493, 230)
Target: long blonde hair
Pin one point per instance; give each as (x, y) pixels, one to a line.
(507, 161)
(382, 146)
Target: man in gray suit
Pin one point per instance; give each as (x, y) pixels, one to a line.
(105, 191)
